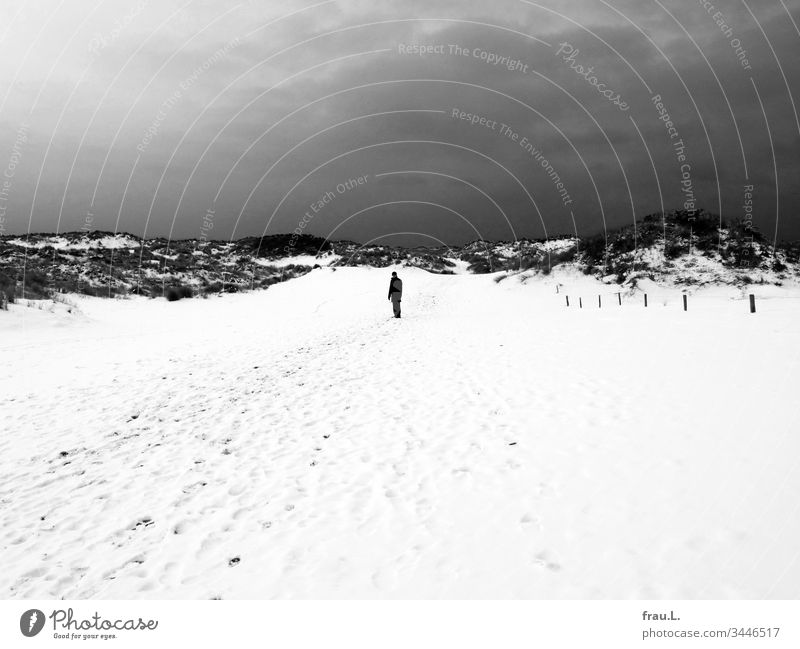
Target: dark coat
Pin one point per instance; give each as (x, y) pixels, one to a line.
(395, 286)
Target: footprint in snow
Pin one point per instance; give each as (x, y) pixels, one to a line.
(235, 490)
(543, 560)
(528, 521)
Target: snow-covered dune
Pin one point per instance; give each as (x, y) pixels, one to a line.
(300, 442)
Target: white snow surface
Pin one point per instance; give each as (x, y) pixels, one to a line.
(299, 260)
(557, 245)
(459, 267)
(116, 241)
(299, 442)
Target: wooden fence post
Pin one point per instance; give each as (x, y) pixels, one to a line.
(580, 302)
(619, 297)
(684, 302)
(567, 296)
(645, 299)
(752, 303)
(599, 303)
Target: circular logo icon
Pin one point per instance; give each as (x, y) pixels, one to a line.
(31, 622)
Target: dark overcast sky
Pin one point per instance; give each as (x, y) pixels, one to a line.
(176, 117)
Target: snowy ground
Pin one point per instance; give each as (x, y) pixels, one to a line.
(299, 442)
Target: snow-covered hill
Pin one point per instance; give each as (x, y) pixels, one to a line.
(300, 442)
(674, 249)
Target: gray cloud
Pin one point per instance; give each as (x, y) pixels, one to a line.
(204, 106)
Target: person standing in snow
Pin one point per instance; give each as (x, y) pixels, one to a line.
(395, 293)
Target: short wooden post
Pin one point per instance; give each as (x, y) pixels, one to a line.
(752, 303)
(599, 303)
(580, 302)
(684, 302)
(556, 288)
(619, 297)
(567, 296)
(645, 299)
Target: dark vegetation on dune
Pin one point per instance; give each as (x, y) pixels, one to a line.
(682, 233)
(108, 265)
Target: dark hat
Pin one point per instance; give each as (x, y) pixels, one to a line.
(394, 274)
